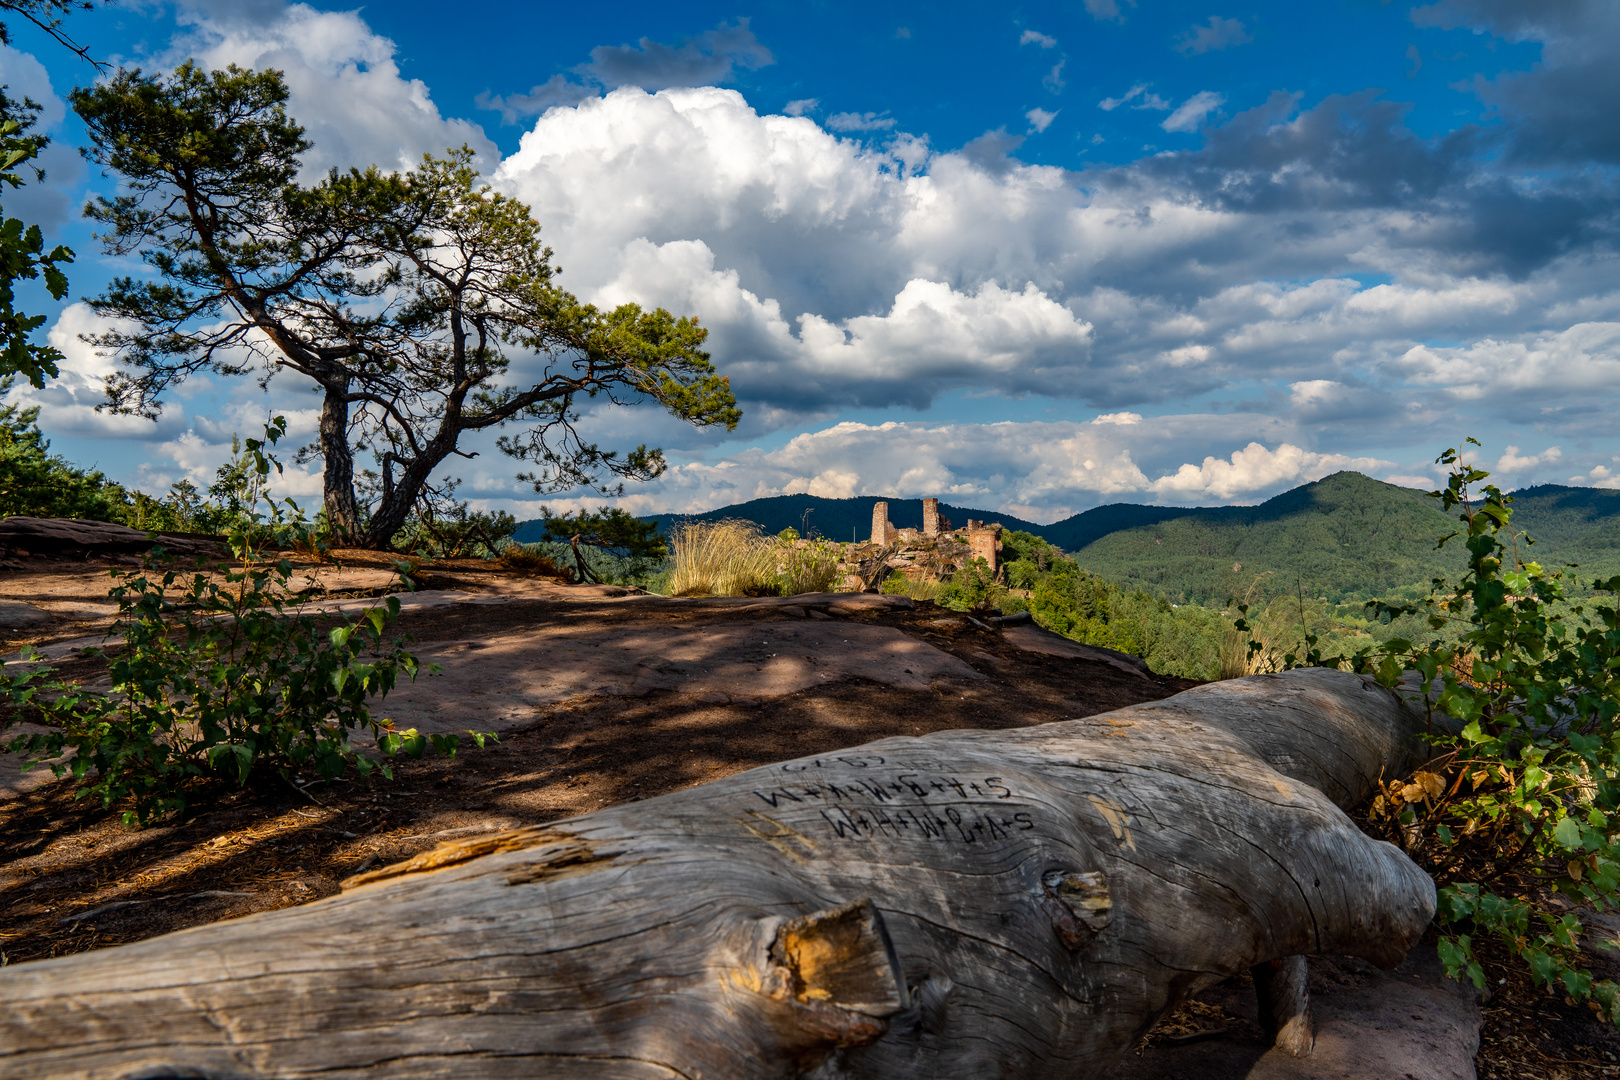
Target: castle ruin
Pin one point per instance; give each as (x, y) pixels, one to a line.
(983, 541)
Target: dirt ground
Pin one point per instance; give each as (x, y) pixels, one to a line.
(601, 696)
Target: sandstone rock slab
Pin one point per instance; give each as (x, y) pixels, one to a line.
(503, 682)
(1039, 640)
(16, 615)
(1411, 1023)
(70, 534)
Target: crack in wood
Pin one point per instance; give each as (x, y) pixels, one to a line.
(459, 851)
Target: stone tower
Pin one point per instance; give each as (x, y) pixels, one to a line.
(930, 517)
(880, 523)
(984, 542)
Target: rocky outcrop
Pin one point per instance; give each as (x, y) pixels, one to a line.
(70, 536)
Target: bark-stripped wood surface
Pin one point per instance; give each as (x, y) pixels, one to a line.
(968, 904)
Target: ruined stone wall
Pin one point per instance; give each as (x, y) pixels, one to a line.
(984, 542)
(883, 532)
(929, 552)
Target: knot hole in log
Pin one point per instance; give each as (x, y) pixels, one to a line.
(841, 973)
(1078, 905)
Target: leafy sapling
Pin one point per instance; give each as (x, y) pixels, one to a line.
(1517, 814)
(221, 675)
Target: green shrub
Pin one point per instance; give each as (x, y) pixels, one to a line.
(220, 675)
(973, 587)
(627, 546)
(453, 531)
(1012, 604)
(1521, 805)
(38, 483)
(918, 588)
(812, 568)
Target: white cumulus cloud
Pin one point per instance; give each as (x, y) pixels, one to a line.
(1256, 468)
(1037, 470)
(931, 336)
(346, 87)
(868, 121)
(1513, 461)
(1319, 262)
(1215, 35)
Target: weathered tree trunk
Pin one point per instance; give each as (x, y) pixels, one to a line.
(971, 903)
(342, 511)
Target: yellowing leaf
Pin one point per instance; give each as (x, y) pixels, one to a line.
(1432, 783)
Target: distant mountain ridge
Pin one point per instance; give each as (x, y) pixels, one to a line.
(1343, 537)
(846, 519)
(1346, 536)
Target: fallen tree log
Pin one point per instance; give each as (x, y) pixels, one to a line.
(971, 903)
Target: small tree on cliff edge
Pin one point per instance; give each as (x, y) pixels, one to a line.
(612, 531)
(401, 296)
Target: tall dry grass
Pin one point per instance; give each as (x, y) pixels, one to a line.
(1237, 659)
(720, 558)
(918, 588)
(736, 558)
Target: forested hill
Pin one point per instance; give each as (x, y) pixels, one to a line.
(1344, 537)
(1571, 525)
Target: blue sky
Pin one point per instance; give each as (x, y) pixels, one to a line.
(1031, 258)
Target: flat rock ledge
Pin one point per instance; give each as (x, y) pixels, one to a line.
(1411, 1023)
(68, 536)
(16, 615)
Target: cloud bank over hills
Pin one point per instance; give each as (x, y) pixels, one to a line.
(1298, 286)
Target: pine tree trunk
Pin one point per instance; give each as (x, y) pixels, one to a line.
(1020, 903)
(398, 499)
(342, 511)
